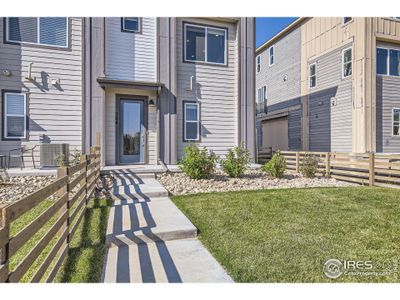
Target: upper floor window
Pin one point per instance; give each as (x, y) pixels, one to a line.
(14, 115)
(258, 63)
(271, 55)
(347, 20)
(205, 44)
(131, 24)
(313, 75)
(396, 121)
(347, 62)
(388, 61)
(48, 31)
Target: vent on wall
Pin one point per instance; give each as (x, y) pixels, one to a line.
(50, 152)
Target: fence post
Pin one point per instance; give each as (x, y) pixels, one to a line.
(328, 164)
(98, 139)
(84, 180)
(297, 161)
(371, 168)
(61, 172)
(4, 252)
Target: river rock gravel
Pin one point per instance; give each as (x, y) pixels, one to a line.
(21, 186)
(180, 184)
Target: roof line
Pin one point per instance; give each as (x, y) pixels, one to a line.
(285, 30)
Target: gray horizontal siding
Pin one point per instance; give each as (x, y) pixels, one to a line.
(54, 113)
(294, 130)
(387, 98)
(131, 56)
(330, 125)
(216, 89)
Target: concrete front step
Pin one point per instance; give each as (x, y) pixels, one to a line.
(165, 261)
(134, 221)
(138, 192)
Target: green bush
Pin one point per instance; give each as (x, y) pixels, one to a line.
(276, 167)
(198, 163)
(309, 165)
(236, 161)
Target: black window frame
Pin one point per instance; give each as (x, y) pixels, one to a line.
(205, 62)
(6, 39)
(131, 31)
(184, 103)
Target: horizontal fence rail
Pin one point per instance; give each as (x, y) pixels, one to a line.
(56, 224)
(362, 168)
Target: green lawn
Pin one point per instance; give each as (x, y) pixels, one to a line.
(85, 257)
(286, 235)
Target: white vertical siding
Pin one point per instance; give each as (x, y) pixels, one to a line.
(215, 88)
(54, 112)
(131, 56)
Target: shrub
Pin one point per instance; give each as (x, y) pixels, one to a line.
(236, 161)
(276, 167)
(61, 160)
(309, 166)
(198, 163)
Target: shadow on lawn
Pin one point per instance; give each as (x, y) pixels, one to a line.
(85, 256)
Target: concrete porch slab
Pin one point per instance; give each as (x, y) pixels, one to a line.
(184, 260)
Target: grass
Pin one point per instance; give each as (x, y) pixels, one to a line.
(287, 235)
(85, 257)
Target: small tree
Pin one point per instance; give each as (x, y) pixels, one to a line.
(276, 167)
(198, 163)
(309, 165)
(236, 161)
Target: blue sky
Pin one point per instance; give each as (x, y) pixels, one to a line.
(268, 27)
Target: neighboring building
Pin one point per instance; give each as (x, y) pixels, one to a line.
(149, 86)
(330, 84)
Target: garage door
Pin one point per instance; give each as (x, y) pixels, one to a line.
(275, 133)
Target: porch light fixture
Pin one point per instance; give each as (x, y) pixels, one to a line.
(152, 103)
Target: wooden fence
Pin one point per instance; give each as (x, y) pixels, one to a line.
(71, 191)
(364, 168)
(264, 155)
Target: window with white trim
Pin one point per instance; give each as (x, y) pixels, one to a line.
(258, 63)
(346, 20)
(313, 75)
(347, 62)
(388, 61)
(191, 128)
(261, 98)
(14, 115)
(205, 44)
(271, 55)
(47, 31)
(131, 24)
(396, 121)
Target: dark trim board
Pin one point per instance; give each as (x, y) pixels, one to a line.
(118, 97)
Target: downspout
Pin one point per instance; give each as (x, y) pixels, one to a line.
(90, 82)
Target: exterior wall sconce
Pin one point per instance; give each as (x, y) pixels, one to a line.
(152, 103)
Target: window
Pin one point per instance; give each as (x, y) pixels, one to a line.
(205, 44)
(271, 56)
(131, 24)
(313, 75)
(347, 62)
(258, 63)
(388, 62)
(48, 31)
(261, 97)
(347, 20)
(396, 121)
(14, 115)
(191, 124)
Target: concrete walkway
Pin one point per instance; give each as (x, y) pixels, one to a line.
(150, 240)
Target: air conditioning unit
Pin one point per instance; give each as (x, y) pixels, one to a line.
(50, 152)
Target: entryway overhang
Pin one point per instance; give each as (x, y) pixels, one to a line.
(128, 84)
